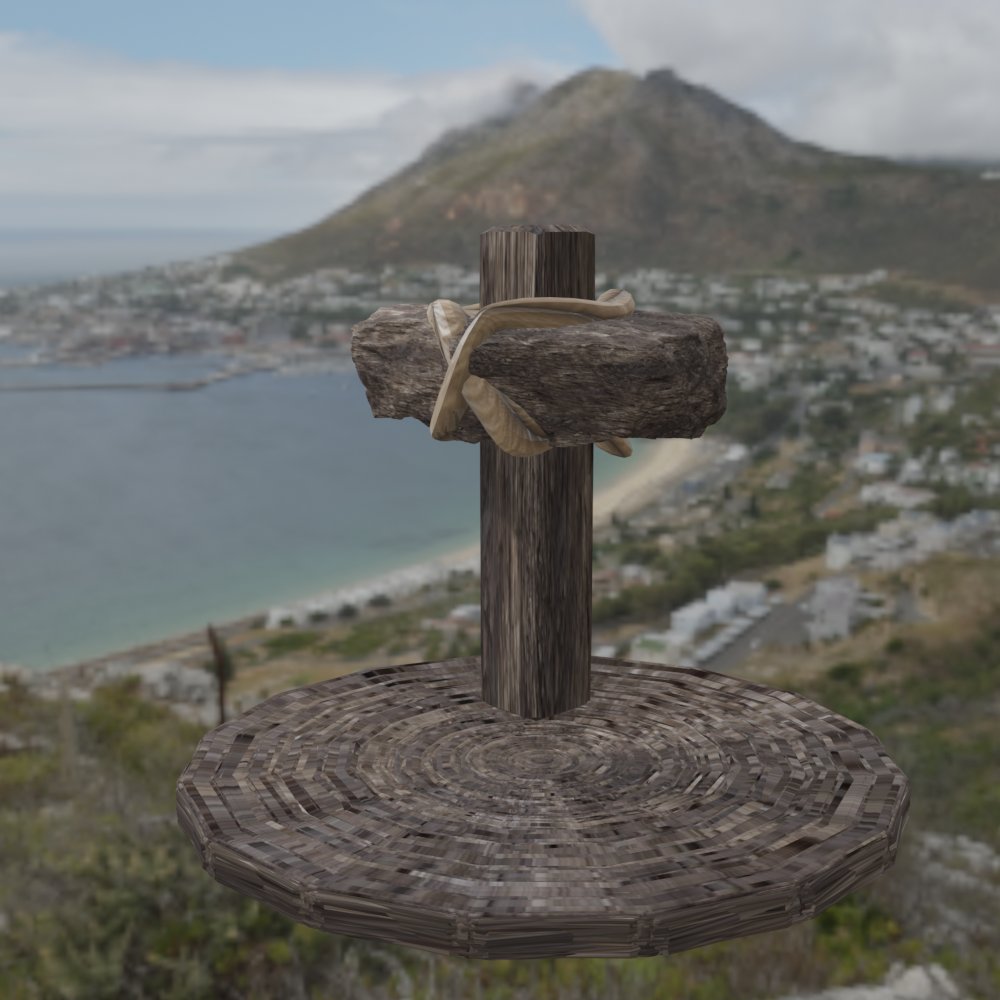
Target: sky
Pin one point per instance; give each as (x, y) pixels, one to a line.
(265, 117)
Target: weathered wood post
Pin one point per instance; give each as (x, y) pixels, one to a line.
(536, 512)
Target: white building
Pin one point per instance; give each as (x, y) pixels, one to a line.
(658, 647)
(722, 601)
(912, 408)
(277, 617)
(873, 463)
(735, 606)
(839, 552)
(912, 536)
(894, 495)
(943, 400)
(634, 574)
(751, 371)
(932, 536)
(735, 598)
(835, 607)
(912, 471)
(690, 619)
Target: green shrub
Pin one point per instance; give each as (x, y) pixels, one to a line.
(848, 673)
(363, 640)
(290, 642)
(24, 774)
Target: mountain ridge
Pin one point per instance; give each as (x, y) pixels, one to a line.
(665, 173)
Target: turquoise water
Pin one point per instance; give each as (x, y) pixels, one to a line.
(130, 516)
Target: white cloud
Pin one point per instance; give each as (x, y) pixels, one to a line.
(83, 135)
(90, 139)
(896, 77)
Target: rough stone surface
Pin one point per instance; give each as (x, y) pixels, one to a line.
(648, 375)
(918, 982)
(956, 895)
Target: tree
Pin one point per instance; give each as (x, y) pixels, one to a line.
(224, 669)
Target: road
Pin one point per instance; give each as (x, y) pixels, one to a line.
(784, 626)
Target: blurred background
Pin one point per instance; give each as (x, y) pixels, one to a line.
(197, 204)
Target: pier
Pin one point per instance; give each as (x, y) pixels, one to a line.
(185, 386)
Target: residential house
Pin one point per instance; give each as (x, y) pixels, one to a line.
(894, 495)
(635, 575)
(873, 463)
(836, 606)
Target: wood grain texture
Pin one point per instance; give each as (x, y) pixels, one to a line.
(650, 375)
(525, 260)
(536, 537)
(678, 807)
(536, 511)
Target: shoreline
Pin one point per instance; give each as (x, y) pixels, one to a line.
(636, 488)
(639, 486)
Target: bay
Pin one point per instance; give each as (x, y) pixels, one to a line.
(127, 516)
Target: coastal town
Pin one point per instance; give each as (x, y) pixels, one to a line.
(861, 417)
(771, 322)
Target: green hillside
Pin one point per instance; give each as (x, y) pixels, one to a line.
(105, 896)
(666, 174)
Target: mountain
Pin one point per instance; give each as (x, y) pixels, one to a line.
(667, 174)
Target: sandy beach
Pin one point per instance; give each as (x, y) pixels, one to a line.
(666, 461)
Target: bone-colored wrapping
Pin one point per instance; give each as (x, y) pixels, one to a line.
(459, 333)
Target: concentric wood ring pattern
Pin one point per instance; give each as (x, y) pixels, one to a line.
(676, 808)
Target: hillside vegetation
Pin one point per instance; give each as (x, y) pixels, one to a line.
(106, 898)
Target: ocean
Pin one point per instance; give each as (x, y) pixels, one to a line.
(130, 516)
(38, 256)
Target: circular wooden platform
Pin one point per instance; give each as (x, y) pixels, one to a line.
(676, 808)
